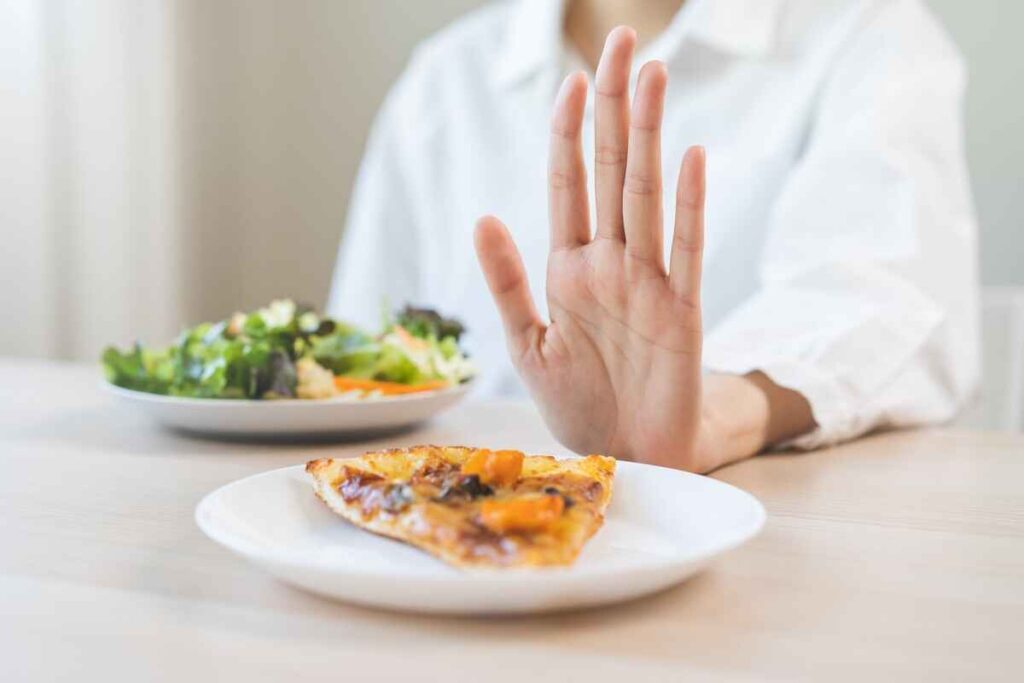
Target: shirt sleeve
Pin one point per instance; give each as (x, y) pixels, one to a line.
(378, 262)
(867, 297)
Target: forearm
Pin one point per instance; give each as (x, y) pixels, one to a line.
(743, 415)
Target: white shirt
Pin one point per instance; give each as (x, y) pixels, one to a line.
(840, 249)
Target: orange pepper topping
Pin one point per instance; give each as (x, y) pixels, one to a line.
(497, 468)
(521, 514)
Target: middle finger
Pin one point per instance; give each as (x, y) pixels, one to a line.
(611, 130)
(641, 189)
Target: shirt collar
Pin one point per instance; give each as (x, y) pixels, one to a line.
(533, 39)
(747, 28)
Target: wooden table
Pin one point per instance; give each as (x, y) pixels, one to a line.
(900, 556)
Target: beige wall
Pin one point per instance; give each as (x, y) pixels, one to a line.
(278, 97)
(989, 34)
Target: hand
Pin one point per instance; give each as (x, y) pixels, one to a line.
(618, 369)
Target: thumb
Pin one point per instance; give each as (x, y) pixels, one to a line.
(506, 278)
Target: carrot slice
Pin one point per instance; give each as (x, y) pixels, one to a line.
(386, 388)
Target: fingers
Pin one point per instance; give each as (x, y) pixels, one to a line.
(641, 191)
(506, 278)
(688, 234)
(611, 129)
(567, 176)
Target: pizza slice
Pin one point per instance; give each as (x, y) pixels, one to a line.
(472, 507)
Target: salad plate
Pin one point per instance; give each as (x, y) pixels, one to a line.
(661, 527)
(293, 418)
(287, 370)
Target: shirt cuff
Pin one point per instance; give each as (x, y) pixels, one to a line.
(830, 405)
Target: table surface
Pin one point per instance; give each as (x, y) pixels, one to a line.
(901, 554)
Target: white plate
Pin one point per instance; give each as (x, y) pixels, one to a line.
(662, 526)
(297, 417)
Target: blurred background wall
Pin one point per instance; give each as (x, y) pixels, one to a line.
(163, 162)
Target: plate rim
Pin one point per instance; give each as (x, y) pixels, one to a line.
(268, 556)
(221, 403)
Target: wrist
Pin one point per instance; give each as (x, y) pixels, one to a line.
(743, 415)
(735, 419)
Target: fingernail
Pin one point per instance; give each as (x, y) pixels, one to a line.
(621, 29)
(568, 83)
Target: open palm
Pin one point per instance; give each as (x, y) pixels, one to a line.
(618, 369)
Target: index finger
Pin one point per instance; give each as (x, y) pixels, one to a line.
(688, 236)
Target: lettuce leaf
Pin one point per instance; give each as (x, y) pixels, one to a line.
(253, 355)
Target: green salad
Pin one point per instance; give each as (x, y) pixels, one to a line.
(289, 351)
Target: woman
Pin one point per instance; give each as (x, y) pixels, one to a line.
(836, 283)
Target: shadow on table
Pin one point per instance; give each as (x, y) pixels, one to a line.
(624, 628)
(111, 430)
(320, 438)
